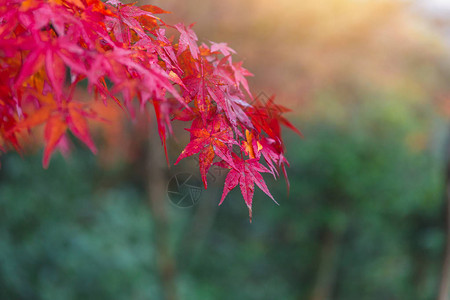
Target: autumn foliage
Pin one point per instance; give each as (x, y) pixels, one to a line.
(124, 56)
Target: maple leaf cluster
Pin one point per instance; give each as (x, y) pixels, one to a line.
(122, 54)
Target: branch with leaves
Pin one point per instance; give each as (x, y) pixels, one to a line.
(123, 55)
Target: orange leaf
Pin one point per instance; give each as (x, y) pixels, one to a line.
(249, 144)
(154, 9)
(54, 130)
(27, 4)
(36, 118)
(76, 2)
(80, 129)
(175, 78)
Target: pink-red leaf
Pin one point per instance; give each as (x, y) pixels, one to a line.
(188, 38)
(246, 173)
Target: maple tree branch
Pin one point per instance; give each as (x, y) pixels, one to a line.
(197, 83)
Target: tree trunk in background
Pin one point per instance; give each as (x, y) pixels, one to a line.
(444, 289)
(326, 271)
(157, 182)
(192, 243)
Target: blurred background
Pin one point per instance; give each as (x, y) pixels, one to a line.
(365, 218)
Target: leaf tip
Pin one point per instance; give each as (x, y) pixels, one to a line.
(45, 161)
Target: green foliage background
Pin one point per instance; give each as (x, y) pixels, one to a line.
(365, 207)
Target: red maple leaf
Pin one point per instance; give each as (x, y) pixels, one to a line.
(246, 173)
(188, 38)
(239, 75)
(126, 21)
(209, 141)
